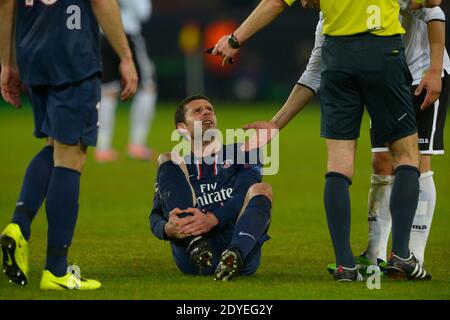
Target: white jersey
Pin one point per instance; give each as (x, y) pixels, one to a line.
(417, 48)
(134, 13)
(415, 41)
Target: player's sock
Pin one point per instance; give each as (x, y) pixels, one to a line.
(34, 190)
(142, 111)
(62, 212)
(337, 207)
(107, 116)
(379, 217)
(404, 199)
(251, 225)
(174, 190)
(424, 216)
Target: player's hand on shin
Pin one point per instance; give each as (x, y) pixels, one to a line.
(199, 223)
(222, 48)
(129, 78)
(172, 227)
(432, 83)
(10, 85)
(265, 131)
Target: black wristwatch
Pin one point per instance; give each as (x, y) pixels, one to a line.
(233, 42)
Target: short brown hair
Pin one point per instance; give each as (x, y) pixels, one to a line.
(179, 112)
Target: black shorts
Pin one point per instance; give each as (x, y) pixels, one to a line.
(365, 70)
(430, 122)
(110, 61)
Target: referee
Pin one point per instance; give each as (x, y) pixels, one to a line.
(364, 64)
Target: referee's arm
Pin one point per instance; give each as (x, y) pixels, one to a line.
(264, 14)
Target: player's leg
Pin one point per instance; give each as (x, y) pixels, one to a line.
(107, 118)
(14, 238)
(72, 121)
(107, 113)
(62, 204)
(248, 234)
(337, 198)
(404, 196)
(425, 210)
(430, 125)
(341, 113)
(34, 189)
(143, 104)
(379, 214)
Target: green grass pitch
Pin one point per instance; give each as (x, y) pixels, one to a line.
(113, 242)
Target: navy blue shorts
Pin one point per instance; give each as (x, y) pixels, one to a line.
(67, 113)
(219, 243)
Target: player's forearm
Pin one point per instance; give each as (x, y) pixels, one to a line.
(298, 99)
(436, 38)
(264, 14)
(6, 32)
(108, 16)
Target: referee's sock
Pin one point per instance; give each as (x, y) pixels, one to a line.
(404, 199)
(34, 190)
(251, 225)
(174, 189)
(337, 207)
(62, 213)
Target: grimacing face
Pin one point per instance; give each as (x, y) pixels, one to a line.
(199, 110)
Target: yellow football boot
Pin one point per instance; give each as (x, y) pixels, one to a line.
(15, 254)
(71, 281)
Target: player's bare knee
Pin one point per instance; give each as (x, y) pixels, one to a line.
(70, 156)
(260, 189)
(382, 163)
(50, 142)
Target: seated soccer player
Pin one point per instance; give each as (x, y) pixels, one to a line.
(211, 205)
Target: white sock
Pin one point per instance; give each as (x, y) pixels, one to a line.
(424, 216)
(379, 216)
(107, 117)
(142, 112)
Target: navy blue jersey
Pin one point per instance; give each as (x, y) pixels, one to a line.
(220, 183)
(57, 41)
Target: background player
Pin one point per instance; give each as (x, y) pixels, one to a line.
(134, 14)
(212, 206)
(64, 89)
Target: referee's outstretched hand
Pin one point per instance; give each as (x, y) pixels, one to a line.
(265, 132)
(223, 49)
